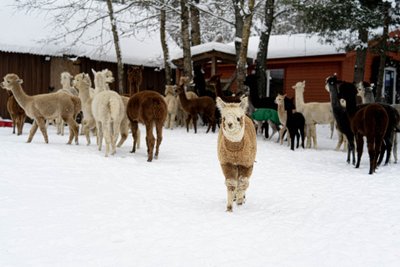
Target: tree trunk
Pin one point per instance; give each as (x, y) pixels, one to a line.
(261, 63)
(164, 45)
(237, 5)
(242, 62)
(117, 47)
(361, 55)
(382, 52)
(187, 57)
(195, 23)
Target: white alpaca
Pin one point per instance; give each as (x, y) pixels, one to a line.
(102, 79)
(314, 113)
(282, 114)
(172, 105)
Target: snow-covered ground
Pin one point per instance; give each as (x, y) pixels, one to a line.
(68, 205)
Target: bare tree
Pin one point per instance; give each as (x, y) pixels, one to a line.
(195, 23)
(117, 47)
(164, 45)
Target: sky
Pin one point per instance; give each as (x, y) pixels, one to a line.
(68, 205)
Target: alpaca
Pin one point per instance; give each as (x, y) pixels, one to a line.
(183, 115)
(365, 91)
(150, 109)
(237, 148)
(295, 123)
(17, 113)
(215, 81)
(172, 104)
(314, 113)
(370, 121)
(267, 115)
(340, 114)
(83, 83)
(282, 114)
(45, 107)
(108, 111)
(66, 87)
(255, 100)
(204, 105)
(135, 77)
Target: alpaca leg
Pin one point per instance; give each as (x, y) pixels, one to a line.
(297, 138)
(73, 130)
(150, 140)
(332, 128)
(42, 126)
(281, 132)
(188, 118)
(244, 174)
(360, 145)
(32, 131)
(99, 127)
(124, 130)
(302, 136)
(243, 184)
(107, 137)
(308, 135)
(137, 138)
(134, 130)
(314, 135)
(14, 122)
(115, 131)
(194, 119)
(373, 155)
(395, 147)
(231, 173)
(172, 122)
(340, 140)
(86, 131)
(159, 138)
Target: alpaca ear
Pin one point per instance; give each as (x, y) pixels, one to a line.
(220, 104)
(20, 81)
(94, 72)
(244, 103)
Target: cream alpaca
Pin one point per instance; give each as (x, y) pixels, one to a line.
(172, 106)
(314, 113)
(237, 147)
(45, 107)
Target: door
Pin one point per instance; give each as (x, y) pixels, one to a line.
(389, 85)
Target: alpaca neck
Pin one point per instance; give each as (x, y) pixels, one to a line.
(281, 113)
(182, 97)
(299, 98)
(218, 88)
(21, 97)
(65, 85)
(84, 94)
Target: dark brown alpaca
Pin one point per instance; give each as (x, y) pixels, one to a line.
(203, 105)
(135, 76)
(150, 109)
(372, 122)
(215, 81)
(17, 113)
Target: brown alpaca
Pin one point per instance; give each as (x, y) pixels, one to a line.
(372, 122)
(17, 113)
(150, 109)
(215, 81)
(203, 105)
(45, 107)
(135, 77)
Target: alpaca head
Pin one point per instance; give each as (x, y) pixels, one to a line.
(170, 89)
(232, 118)
(279, 100)
(66, 79)
(102, 79)
(215, 79)
(299, 86)
(82, 80)
(10, 80)
(331, 80)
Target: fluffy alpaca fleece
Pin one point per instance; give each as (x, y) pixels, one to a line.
(108, 112)
(44, 107)
(237, 147)
(314, 113)
(172, 106)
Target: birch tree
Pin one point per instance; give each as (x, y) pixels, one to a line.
(185, 35)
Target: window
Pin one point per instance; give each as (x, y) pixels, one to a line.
(389, 85)
(275, 82)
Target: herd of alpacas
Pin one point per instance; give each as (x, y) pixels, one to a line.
(109, 116)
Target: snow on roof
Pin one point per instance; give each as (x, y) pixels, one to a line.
(24, 32)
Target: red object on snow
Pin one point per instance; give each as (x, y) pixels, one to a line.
(5, 123)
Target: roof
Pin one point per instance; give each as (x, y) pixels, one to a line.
(24, 32)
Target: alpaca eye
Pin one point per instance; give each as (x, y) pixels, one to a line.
(238, 119)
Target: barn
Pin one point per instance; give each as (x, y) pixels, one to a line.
(298, 57)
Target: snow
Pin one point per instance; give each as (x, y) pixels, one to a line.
(68, 205)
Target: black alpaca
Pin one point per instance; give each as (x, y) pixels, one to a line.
(256, 101)
(340, 114)
(295, 123)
